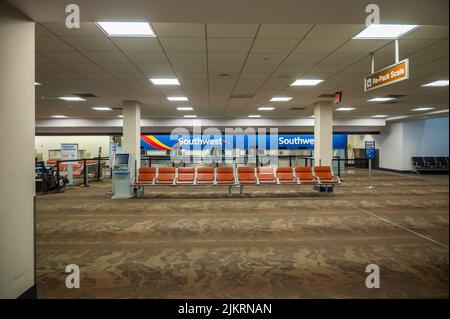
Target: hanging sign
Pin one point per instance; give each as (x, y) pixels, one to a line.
(69, 151)
(387, 76)
(370, 149)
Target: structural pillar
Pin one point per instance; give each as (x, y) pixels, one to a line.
(131, 142)
(17, 189)
(323, 133)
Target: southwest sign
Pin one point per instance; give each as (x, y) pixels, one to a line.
(387, 76)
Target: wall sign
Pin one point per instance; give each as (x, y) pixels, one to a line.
(165, 142)
(387, 76)
(370, 149)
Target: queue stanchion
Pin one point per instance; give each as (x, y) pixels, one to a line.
(57, 175)
(85, 171)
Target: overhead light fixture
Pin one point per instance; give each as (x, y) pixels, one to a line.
(281, 99)
(419, 109)
(254, 115)
(177, 98)
(306, 82)
(165, 81)
(345, 109)
(102, 108)
(190, 116)
(185, 108)
(266, 108)
(381, 99)
(438, 83)
(120, 116)
(126, 29)
(379, 116)
(37, 84)
(71, 98)
(385, 31)
(59, 116)
(312, 116)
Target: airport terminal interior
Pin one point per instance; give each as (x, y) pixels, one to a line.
(233, 149)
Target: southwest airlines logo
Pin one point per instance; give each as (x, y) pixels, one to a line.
(151, 142)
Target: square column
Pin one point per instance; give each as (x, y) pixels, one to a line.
(17, 124)
(323, 133)
(132, 133)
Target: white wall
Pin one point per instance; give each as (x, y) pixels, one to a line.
(400, 141)
(16, 161)
(89, 143)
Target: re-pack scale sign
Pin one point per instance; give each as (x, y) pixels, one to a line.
(387, 76)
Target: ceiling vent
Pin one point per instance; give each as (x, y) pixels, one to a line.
(223, 76)
(84, 95)
(327, 95)
(242, 96)
(395, 96)
(297, 108)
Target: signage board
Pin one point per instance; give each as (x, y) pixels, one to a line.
(69, 151)
(387, 76)
(337, 97)
(370, 149)
(293, 141)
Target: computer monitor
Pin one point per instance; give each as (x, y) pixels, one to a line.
(122, 160)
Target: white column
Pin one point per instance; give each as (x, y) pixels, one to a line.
(132, 132)
(323, 133)
(17, 152)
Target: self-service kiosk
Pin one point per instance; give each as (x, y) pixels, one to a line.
(122, 176)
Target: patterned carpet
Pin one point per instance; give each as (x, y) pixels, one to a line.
(276, 242)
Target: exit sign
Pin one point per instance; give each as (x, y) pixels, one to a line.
(337, 97)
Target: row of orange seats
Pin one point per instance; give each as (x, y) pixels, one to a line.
(226, 175)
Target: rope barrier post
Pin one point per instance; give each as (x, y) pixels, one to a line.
(57, 175)
(85, 171)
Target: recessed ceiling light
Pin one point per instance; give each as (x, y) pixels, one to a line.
(165, 81)
(185, 108)
(437, 83)
(37, 84)
(120, 116)
(126, 29)
(71, 98)
(306, 82)
(254, 115)
(281, 99)
(59, 116)
(381, 99)
(312, 116)
(266, 108)
(102, 108)
(190, 116)
(385, 31)
(422, 109)
(345, 109)
(177, 98)
(379, 116)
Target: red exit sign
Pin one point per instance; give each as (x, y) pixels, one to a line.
(337, 97)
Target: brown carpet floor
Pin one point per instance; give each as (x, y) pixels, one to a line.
(276, 242)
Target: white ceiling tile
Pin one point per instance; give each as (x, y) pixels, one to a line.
(190, 67)
(274, 45)
(318, 45)
(224, 68)
(187, 57)
(183, 44)
(366, 46)
(428, 32)
(137, 44)
(143, 57)
(90, 43)
(218, 30)
(106, 56)
(335, 31)
(66, 57)
(155, 69)
(118, 67)
(51, 43)
(179, 29)
(228, 45)
(237, 58)
(259, 67)
(271, 58)
(283, 30)
(86, 29)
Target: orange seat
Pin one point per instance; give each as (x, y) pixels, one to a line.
(305, 175)
(265, 175)
(285, 175)
(166, 175)
(324, 175)
(186, 175)
(225, 175)
(205, 175)
(246, 175)
(146, 175)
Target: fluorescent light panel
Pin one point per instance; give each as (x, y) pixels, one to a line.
(177, 98)
(306, 82)
(190, 116)
(126, 29)
(281, 99)
(185, 108)
(37, 84)
(419, 109)
(379, 116)
(438, 83)
(385, 31)
(254, 115)
(165, 81)
(381, 99)
(59, 116)
(102, 108)
(266, 108)
(345, 109)
(71, 98)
